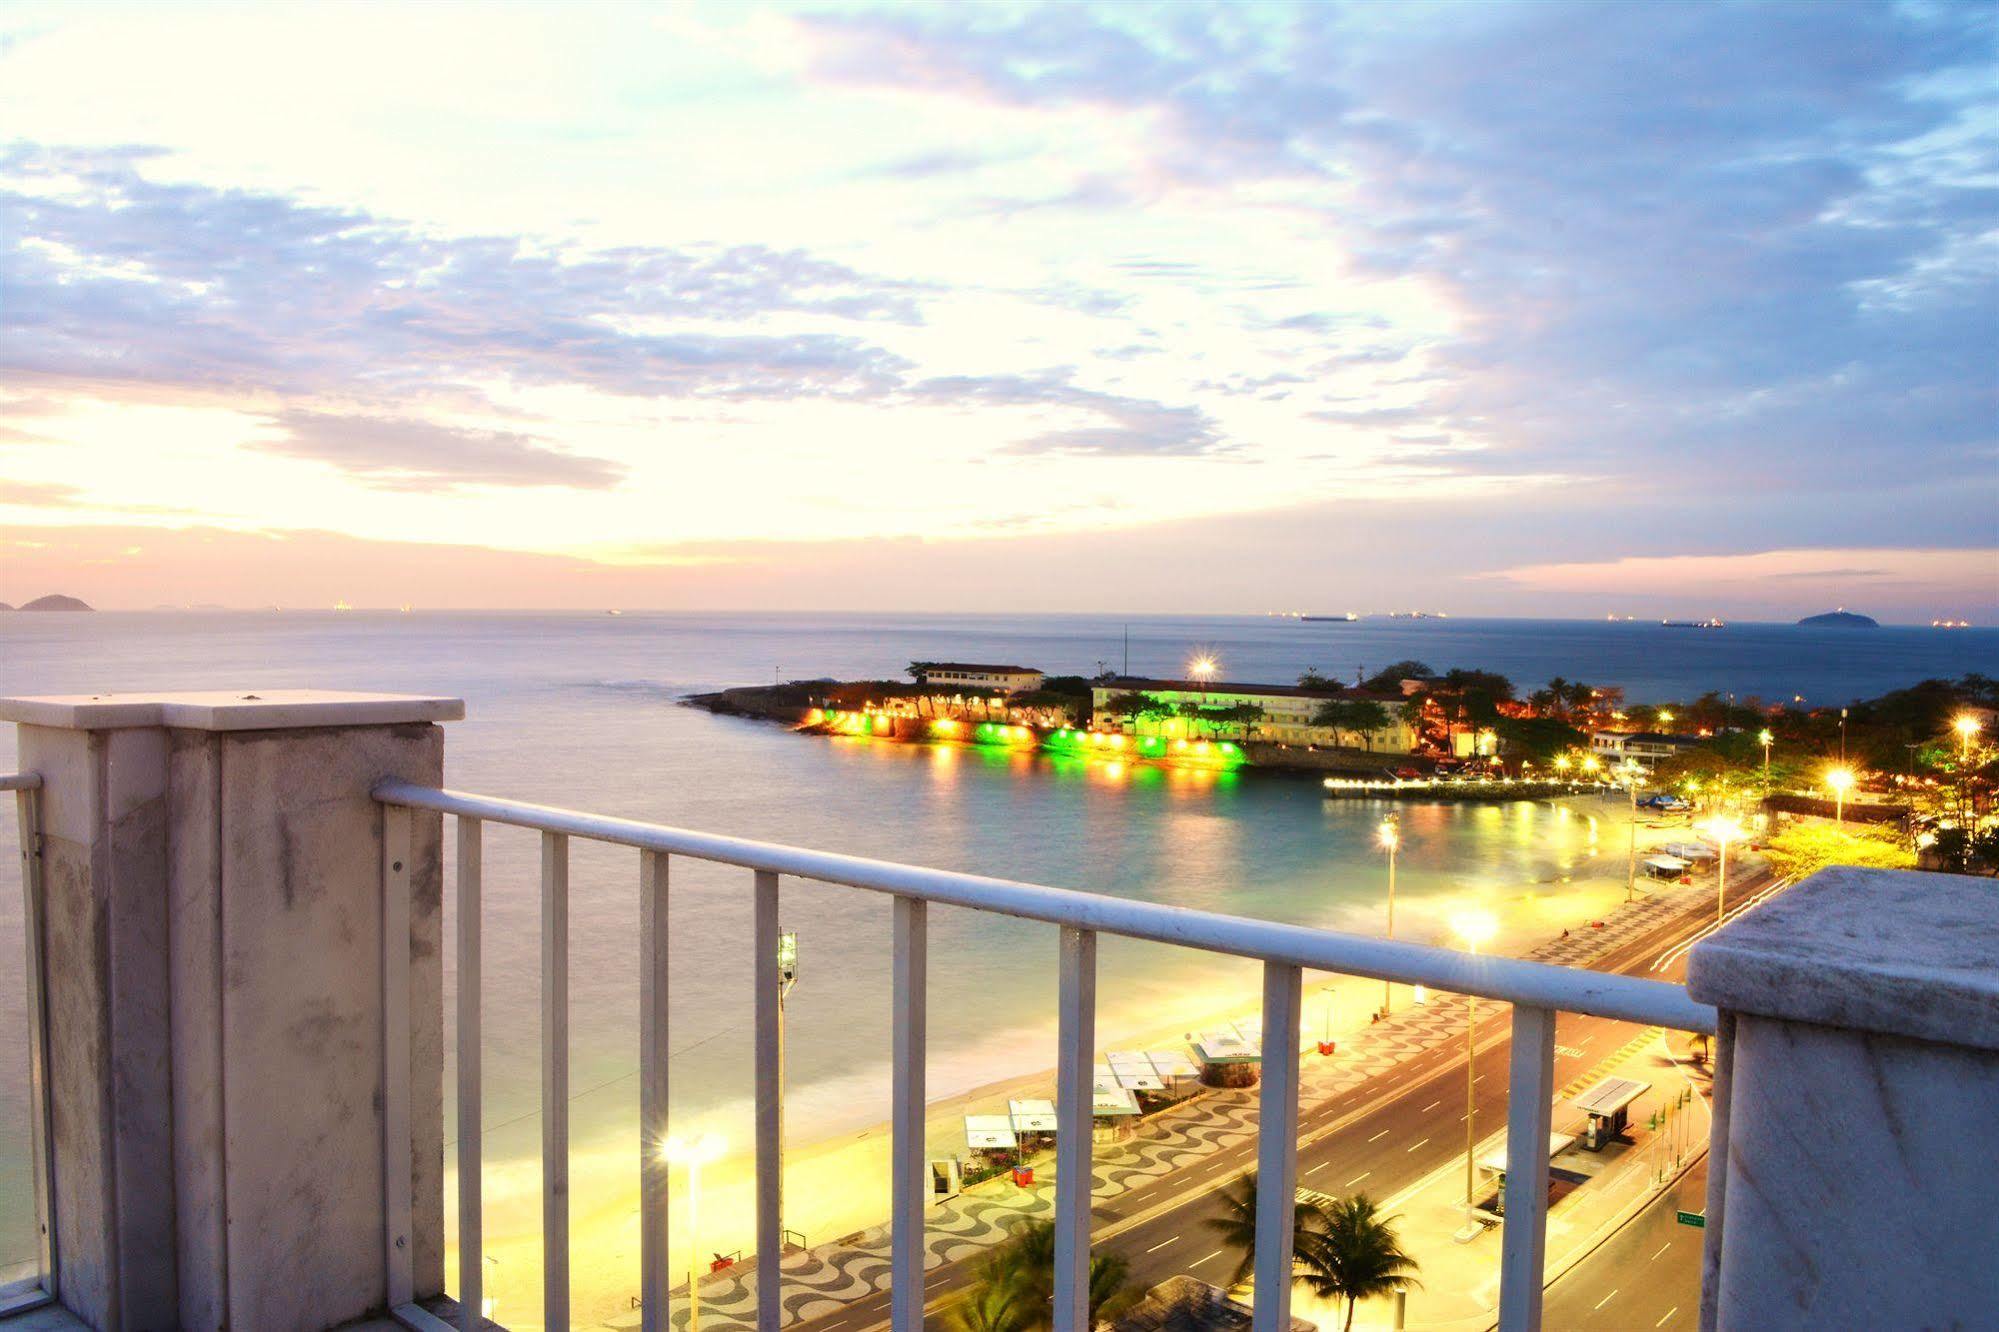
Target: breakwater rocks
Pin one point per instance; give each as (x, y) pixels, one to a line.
(786, 703)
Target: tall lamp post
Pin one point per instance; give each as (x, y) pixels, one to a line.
(1634, 777)
(693, 1155)
(1966, 727)
(1475, 928)
(1202, 668)
(1841, 781)
(1723, 831)
(1763, 737)
(1390, 838)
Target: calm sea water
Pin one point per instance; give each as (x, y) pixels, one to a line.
(581, 710)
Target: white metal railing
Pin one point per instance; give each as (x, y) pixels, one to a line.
(22, 1296)
(1536, 990)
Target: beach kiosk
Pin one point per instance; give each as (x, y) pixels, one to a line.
(1228, 1055)
(1663, 866)
(1608, 1106)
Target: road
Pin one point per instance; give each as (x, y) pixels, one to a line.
(1647, 1275)
(1381, 1139)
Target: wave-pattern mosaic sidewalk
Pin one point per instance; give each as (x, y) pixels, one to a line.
(820, 1280)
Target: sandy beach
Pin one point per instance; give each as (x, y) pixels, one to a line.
(838, 1185)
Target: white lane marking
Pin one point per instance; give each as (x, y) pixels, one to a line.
(1163, 1243)
(1317, 1168)
(1662, 1248)
(1606, 1299)
(1480, 1078)
(1669, 1313)
(1413, 1148)
(1357, 1179)
(1428, 1108)
(1379, 1136)
(1200, 1261)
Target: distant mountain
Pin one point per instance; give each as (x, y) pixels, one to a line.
(5, 607)
(1841, 619)
(56, 602)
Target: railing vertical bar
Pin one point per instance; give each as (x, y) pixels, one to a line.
(471, 1217)
(654, 1273)
(911, 1169)
(34, 930)
(555, 1081)
(1720, 1099)
(1529, 1117)
(1277, 1148)
(1076, 1025)
(770, 1108)
(398, 1257)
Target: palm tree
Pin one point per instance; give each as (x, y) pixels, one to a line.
(1354, 1254)
(1017, 1283)
(1237, 1226)
(999, 1302)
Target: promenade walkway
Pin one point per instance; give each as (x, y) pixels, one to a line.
(827, 1277)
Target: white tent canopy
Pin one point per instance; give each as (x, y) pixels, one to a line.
(989, 1132)
(1032, 1116)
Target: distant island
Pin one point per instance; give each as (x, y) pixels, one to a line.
(55, 602)
(1841, 619)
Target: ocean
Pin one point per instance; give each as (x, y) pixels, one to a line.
(582, 710)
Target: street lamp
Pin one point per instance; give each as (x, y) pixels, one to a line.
(694, 1155)
(1390, 837)
(1966, 727)
(1722, 831)
(1474, 928)
(1763, 737)
(1634, 777)
(1202, 668)
(1841, 781)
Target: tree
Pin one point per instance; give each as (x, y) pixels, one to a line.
(995, 1303)
(1491, 684)
(1806, 848)
(1237, 1226)
(1016, 1284)
(1361, 716)
(1134, 704)
(1311, 679)
(1355, 1254)
(1538, 739)
(1388, 680)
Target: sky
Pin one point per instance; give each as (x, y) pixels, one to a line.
(1651, 309)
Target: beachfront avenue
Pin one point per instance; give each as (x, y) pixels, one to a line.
(1395, 1132)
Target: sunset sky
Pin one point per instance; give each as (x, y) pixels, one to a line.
(1535, 309)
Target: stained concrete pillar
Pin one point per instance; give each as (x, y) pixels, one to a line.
(212, 870)
(1855, 1182)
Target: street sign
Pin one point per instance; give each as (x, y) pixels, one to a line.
(1698, 1220)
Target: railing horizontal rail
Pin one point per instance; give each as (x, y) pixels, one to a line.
(1510, 980)
(20, 781)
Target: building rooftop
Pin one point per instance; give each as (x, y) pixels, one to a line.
(970, 667)
(1141, 683)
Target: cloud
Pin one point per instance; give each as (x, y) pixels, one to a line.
(115, 279)
(1114, 426)
(1745, 234)
(422, 456)
(39, 494)
(136, 287)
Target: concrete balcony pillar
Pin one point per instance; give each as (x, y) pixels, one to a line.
(212, 870)
(1858, 1103)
